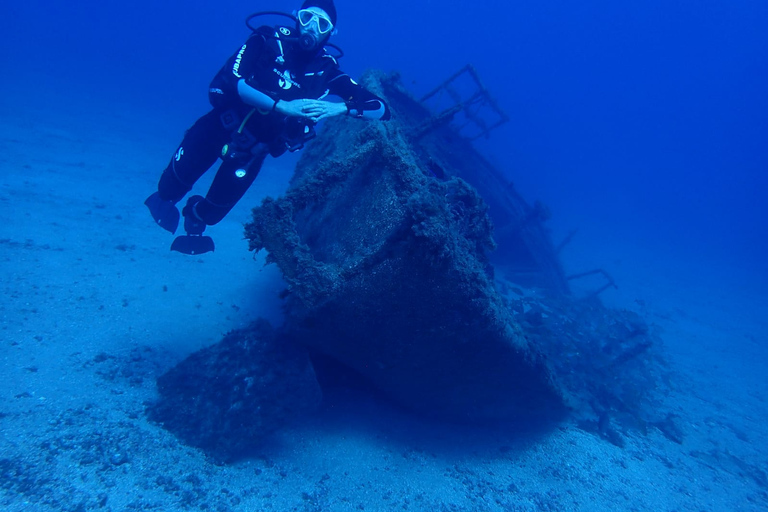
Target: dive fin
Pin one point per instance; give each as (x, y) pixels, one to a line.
(193, 244)
(164, 212)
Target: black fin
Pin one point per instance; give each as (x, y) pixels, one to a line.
(164, 212)
(193, 244)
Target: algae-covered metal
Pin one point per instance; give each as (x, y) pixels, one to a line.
(388, 265)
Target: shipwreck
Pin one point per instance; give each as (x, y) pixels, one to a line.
(389, 239)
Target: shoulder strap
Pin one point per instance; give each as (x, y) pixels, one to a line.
(275, 38)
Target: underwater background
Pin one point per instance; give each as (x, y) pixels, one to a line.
(644, 119)
(643, 126)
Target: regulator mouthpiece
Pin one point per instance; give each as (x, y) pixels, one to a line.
(308, 42)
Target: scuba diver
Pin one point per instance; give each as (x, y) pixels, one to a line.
(266, 100)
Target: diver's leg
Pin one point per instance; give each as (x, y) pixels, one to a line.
(197, 152)
(229, 185)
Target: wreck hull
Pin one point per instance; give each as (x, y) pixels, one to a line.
(389, 275)
(428, 350)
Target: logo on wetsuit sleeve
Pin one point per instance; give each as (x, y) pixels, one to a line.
(236, 67)
(286, 79)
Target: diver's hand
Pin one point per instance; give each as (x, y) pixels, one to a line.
(314, 110)
(319, 110)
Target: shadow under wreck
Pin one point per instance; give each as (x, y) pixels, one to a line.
(386, 239)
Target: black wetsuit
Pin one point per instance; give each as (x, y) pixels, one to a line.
(242, 135)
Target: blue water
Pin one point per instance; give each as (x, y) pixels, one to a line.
(644, 125)
(650, 118)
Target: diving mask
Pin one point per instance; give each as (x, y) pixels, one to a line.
(306, 17)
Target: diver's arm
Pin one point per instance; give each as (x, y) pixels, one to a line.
(369, 109)
(254, 97)
(306, 108)
(373, 108)
(359, 101)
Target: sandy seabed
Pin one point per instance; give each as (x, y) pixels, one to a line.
(94, 306)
